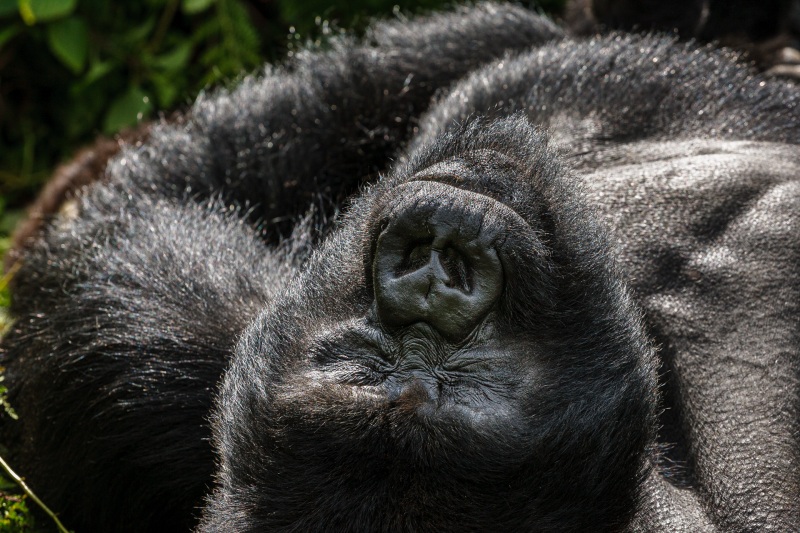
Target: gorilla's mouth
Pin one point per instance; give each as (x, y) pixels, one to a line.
(436, 256)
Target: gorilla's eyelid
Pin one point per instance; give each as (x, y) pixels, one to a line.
(355, 332)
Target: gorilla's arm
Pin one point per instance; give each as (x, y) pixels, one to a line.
(125, 317)
(610, 92)
(324, 122)
(308, 132)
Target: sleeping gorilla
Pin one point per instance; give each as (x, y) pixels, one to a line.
(472, 344)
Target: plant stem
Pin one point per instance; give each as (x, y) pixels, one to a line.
(163, 24)
(18, 480)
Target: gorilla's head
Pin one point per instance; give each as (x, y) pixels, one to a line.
(459, 354)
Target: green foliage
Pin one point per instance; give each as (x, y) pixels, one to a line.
(7, 222)
(74, 68)
(69, 41)
(33, 11)
(6, 407)
(15, 517)
(127, 109)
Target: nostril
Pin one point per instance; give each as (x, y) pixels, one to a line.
(437, 264)
(418, 254)
(456, 270)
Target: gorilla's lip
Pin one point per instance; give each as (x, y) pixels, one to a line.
(457, 182)
(480, 189)
(470, 173)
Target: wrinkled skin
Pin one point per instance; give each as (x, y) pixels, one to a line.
(569, 304)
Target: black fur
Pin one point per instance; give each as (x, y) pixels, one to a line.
(744, 20)
(585, 198)
(766, 31)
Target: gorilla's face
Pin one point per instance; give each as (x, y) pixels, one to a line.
(458, 353)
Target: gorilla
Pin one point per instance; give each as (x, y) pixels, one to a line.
(463, 274)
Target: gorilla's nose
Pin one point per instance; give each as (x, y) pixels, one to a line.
(436, 260)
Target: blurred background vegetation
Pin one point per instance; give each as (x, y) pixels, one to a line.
(71, 70)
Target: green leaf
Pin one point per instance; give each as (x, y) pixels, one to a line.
(127, 110)
(205, 31)
(140, 33)
(176, 59)
(7, 34)
(8, 221)
(97, 70)
(8, 7)
(243, 28)
(192, 7)
(239, 47)
(5, 484)
(69, 42)
(165, 89)
(33, 11)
